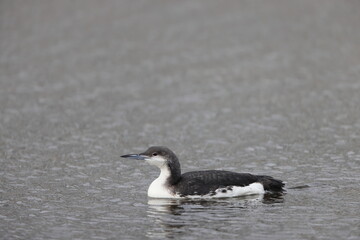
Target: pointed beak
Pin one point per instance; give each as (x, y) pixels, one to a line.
(135, 156)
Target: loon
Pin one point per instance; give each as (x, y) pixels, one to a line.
(201, 184)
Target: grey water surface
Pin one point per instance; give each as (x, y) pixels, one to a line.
(267, 87)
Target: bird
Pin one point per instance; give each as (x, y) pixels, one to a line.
(201, 184)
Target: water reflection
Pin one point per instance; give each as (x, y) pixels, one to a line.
(173, 217)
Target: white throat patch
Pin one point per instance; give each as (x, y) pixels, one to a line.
(156, 161)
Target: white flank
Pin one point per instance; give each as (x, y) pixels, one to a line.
(254, 188)
(236, 191)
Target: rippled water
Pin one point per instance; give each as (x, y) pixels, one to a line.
(267, 87)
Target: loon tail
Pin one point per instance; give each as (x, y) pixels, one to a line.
(271, 184)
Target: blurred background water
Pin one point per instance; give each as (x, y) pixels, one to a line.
(268, 87)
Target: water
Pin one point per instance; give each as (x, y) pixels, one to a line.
(267, 87)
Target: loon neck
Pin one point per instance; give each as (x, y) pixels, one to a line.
(175, 171)
(161, 187)
(169, 174)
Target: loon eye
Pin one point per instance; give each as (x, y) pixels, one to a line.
(154, 154)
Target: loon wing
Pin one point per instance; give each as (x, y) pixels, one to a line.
(205, 182)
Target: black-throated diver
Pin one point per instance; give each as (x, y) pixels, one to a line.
(201, 184)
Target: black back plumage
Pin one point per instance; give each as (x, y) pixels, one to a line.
(207, 182)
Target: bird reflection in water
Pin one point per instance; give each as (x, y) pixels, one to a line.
(173, 217)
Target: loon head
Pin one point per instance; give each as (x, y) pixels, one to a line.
(162, 157)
